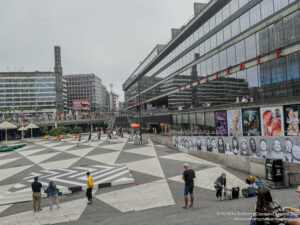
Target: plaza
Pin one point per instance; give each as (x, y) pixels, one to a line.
(152, 195)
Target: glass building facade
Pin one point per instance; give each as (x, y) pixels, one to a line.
(223, 35)
(27, 90)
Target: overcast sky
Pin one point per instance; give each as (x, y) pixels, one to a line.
(105, 37)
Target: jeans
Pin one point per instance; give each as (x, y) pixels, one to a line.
(219, 192)
(89, 193)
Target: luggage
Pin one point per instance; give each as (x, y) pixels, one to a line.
(228, 194)
(235, 192)
(248, 192)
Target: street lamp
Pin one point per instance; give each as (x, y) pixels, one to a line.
(140, 119)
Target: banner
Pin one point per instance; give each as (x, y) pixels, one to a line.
(251, 122)
(234, 118)
(221, 123)
(292, 115)
(285, 148)
(272, 121)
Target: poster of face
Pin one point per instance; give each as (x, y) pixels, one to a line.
(272, 121)
(234, 118)
(221, 123)
(251, 122)
(292, 115)
(285, 148)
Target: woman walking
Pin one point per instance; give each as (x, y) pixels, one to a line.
(53, 194)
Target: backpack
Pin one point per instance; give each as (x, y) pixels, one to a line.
(228, 194)
(248, 192)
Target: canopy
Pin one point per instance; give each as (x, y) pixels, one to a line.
(162, 124)
(6, 126)
(31, 126)
(134, 125)
(22, 128)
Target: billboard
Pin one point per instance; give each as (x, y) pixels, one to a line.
(292, 116)
(251, 122)
(81, 105)
(234, 119)
(272, 121)
(221, 123)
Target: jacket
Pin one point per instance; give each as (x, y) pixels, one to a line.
(90, 182)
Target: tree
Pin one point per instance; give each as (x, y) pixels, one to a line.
(77, 130)
(45, 130)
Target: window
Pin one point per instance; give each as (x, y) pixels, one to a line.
(252, 77)
(244, 21)
(242, 3)
(216, 63)
(240, 51)
(234, 6)
(255, 15)
(235, 27)
(207, 45)
(227, 32)
(220, 37)
(209, 66)
(267, 8)
(219, 17)
(250, 43)
(226, 11)
(223, 60)
(279, 4)
(231, 55)
(213, 41)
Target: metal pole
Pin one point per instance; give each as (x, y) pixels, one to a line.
(141, 139)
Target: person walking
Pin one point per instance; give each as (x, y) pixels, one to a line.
(188, 177)
(36, 187)
(220, 183)
(53, 194)
(90, 138)
(99, 137)
(78, 140)
(89, 188)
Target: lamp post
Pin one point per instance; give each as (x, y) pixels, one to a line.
(140, 119)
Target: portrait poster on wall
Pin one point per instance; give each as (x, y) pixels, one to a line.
(251, 122)
(272, 121)
(221, 123)
(234, 119)
(292, 115)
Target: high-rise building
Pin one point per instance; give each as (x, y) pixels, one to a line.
(229, 49)
(105, 100)
(85, 87)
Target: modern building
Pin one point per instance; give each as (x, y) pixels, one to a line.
(105, 99)
(229, 49)
(28, 91)
(87, 87)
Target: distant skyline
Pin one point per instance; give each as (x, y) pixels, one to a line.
(107, 38)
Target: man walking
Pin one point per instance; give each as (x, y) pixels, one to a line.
(78, 140)
(90, 137)
(36, 187)
(188, 177)
(89, 188)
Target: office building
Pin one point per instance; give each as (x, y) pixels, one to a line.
(242, 47)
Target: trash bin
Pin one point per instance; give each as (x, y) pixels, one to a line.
(274, 170)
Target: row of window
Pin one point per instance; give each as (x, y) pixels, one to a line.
(27, 85)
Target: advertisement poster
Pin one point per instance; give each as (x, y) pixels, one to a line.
(272, 121)
(251, 122)
(221, 123)
(234, 118)
(292, 115)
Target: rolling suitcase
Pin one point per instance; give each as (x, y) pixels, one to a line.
(235, 192)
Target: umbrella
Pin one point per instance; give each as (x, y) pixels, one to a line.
(7, 126)
(22, 129)
(31, 126)
(134, 125)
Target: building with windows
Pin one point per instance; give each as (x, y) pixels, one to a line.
(28, 91)
(229, 49)
(86, 87)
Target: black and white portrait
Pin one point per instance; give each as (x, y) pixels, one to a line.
(244, 148)
(253, 151)
(263, 148)
(214, 147)
(277, 152)
(221, 145)
(235, 146)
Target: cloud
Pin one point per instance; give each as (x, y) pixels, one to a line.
(105, 37)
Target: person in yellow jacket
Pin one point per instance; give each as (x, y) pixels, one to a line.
(89, 188)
